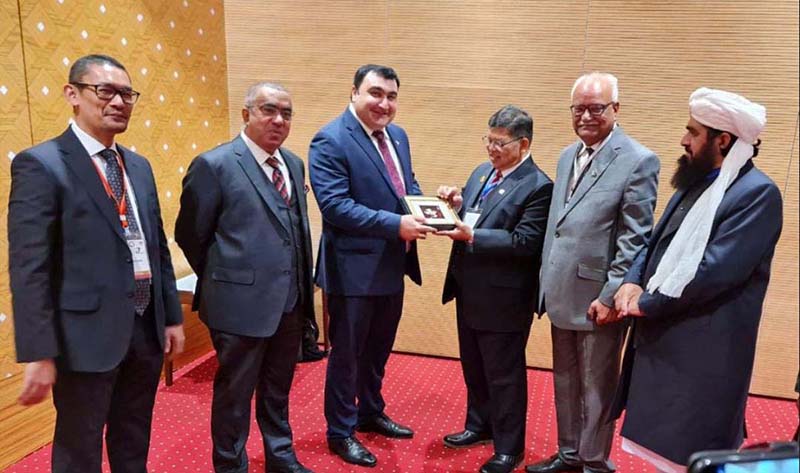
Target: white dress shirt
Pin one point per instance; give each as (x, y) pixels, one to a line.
(93, 148)
(388, 141)
(261, 158)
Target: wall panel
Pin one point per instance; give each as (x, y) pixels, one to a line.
(175, 54)
(459, 61)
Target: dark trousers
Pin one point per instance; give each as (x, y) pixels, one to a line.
(264, 366)
(362, 331)
(585, 374)
(120, 400)
(494, 370)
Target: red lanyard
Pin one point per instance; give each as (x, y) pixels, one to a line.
(122, 203)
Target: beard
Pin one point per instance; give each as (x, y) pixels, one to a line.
(692, 170)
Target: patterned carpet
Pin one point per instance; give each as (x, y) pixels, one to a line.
(422, 392)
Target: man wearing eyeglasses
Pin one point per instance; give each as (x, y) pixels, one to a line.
(93, 290)
(243, 226)
(493, 274)
(600, 216)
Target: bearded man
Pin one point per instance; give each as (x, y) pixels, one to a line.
(697, 290)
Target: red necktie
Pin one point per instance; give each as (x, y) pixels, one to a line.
(389, 162)
(277, 178)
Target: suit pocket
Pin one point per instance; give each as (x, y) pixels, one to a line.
(80, 301)
(593, 274)
(236, 276)
(357, 245)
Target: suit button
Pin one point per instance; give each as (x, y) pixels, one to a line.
(130, 295)
(558, 234)
(287, 272)
(129, 260)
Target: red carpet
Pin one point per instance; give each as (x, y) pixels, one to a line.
(424, 393)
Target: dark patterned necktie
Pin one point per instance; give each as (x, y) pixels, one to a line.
(114, 178)
(389, 162)
(277, 178)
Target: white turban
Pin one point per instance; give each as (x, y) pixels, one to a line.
(723, 111)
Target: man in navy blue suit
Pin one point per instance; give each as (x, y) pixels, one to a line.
(360, 169)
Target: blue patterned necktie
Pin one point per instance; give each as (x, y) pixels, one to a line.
(498, 176)
(114, 177)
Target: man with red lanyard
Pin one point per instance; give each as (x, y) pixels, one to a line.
(92, 285)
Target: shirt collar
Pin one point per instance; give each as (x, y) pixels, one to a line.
(598, 146)
(258, 152)
(90, 144)
(510, 170)
(712, 175)
(367, 129)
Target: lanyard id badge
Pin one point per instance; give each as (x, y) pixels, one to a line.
(141, 263)
(471, 217)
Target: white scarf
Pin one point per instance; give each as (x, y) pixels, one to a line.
(727, 112)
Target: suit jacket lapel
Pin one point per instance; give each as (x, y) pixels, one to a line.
(78, 160)
(503, 189)
(597, 166)
(138, 176)
(256, 176)
(365, 142)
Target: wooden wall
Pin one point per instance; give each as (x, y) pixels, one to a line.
(459, 61)
(175, 53)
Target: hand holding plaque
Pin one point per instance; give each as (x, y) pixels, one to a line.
(436, 213)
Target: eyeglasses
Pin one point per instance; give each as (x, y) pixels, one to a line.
(108, 92)
(271, 111)
(595, 110)
(490, 143)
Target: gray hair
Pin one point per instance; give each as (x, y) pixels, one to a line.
(599, 76)
(253, 90)
(514, 119)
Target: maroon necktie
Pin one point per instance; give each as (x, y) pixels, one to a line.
(389, 162)
(277, 178)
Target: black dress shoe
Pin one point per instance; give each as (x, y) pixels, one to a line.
(383, 425)
(501, 464)
(553, 464)
(291, 468)
(350, 450)
(466, 438)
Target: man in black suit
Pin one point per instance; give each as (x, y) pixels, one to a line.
(94, 297)
(243, 226)
(493, 276)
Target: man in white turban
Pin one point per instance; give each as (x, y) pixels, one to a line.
(696, 291)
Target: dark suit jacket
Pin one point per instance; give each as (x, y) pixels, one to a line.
(234, 229)
(498, 276)
(360, 252)
(687, 373)
(71, 271)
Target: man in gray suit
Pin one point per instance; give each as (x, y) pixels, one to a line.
(600, 216)
(243, 226)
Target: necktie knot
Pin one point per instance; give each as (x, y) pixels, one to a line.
(497, 176)
(108, 154)
(273, 162)
(379, 135)
(589, 151)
